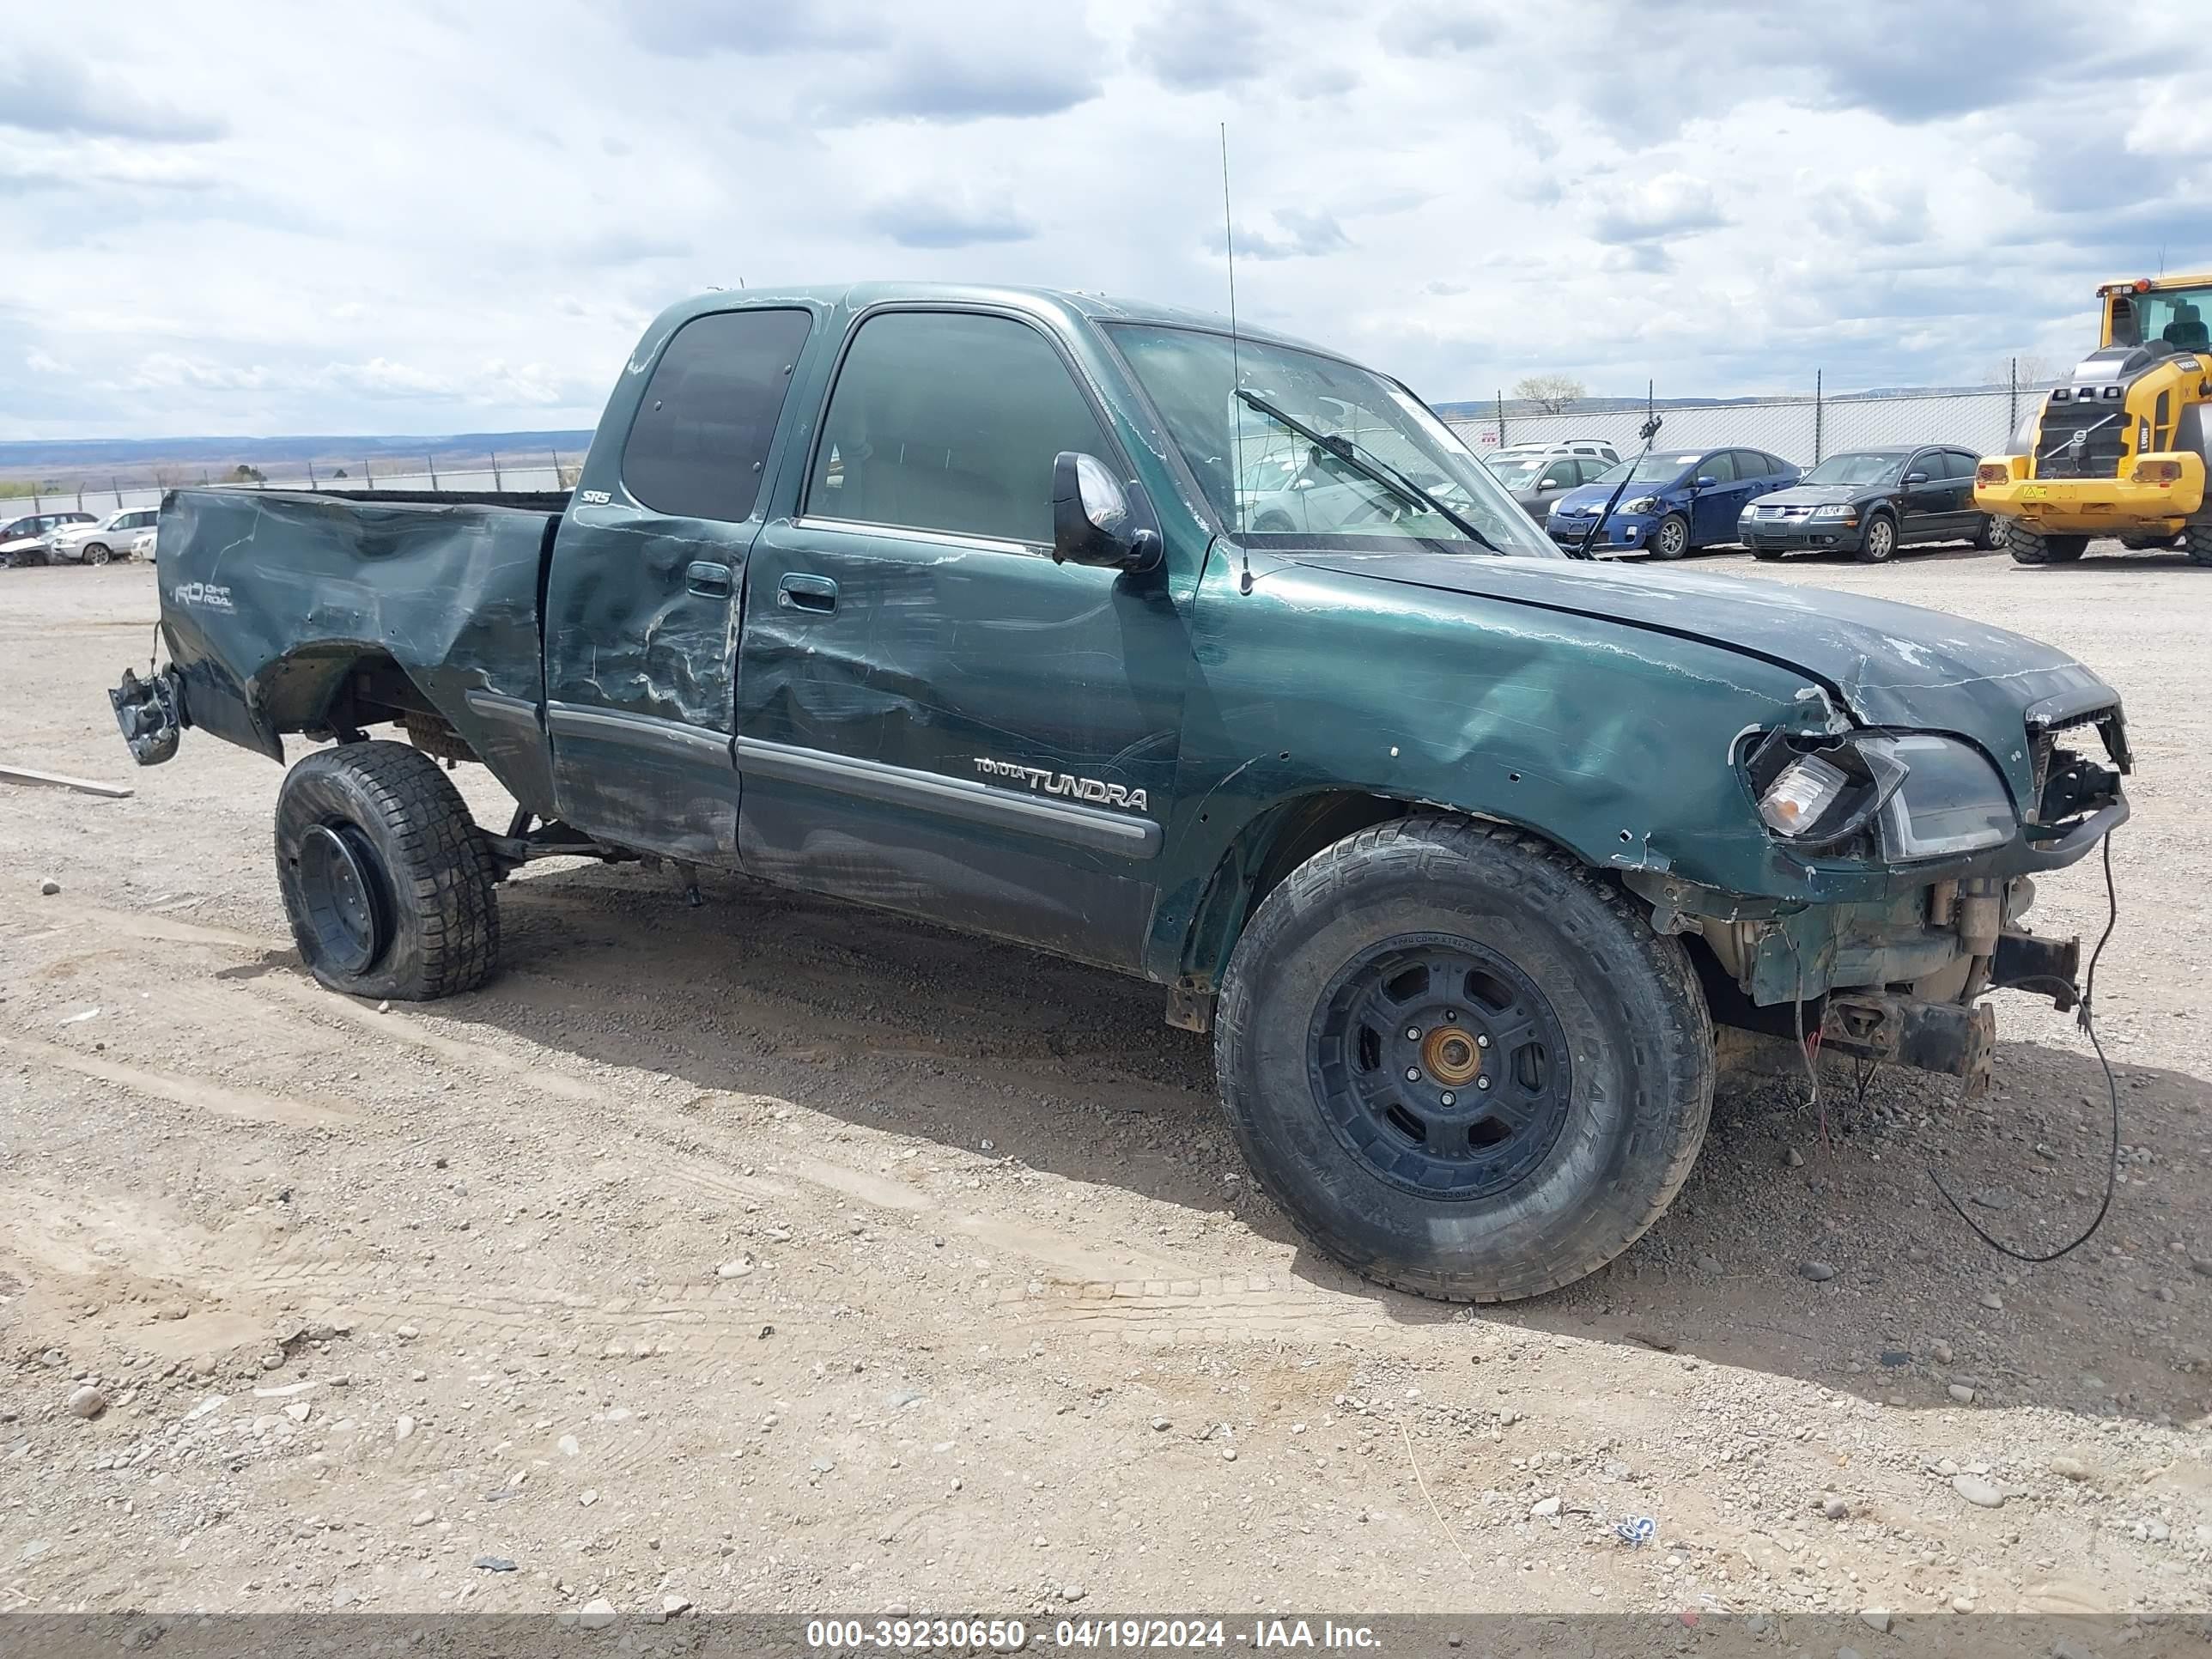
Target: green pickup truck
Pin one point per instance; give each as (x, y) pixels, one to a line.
(984, 605)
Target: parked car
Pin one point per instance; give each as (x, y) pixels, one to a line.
(1674, 503)
(143, 548)
(1871, 502)
(23, 541)
(1461, 848)
(96, 543)
(1537, 481)
(1595, 449)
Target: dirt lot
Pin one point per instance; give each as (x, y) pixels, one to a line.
(781, 1256)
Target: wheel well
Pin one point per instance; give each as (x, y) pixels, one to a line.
(324, 691)
(1265, 852)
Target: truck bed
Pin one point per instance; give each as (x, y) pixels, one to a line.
(301, 612)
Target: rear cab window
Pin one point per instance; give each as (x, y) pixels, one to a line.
(700, 441)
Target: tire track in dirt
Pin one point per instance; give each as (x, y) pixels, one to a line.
(246, 1105)
(1126, 1294)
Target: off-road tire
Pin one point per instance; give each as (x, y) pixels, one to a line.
(1638, 1038)
(2196, 542)
(437, 869)
(1878, 550)
(1659, 538)
(2031, 546)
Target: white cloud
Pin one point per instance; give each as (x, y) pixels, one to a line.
(431, 218)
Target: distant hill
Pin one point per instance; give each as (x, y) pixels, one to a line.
(135, 460)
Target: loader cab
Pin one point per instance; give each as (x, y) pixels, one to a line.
(2170, 315)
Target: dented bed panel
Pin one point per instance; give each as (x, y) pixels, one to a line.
(268, 598)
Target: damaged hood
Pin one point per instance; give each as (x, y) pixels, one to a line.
(1888, 664)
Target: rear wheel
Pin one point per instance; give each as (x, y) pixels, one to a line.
(1464, 1065)
(2031, 546)
(388, 880)
(1671, 540)
(2196, 541)
(1879, 544)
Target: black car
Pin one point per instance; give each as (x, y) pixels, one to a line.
(1871, 502)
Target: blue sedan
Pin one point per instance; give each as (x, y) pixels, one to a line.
(1673, 504)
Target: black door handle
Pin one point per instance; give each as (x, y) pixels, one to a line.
(818, 594)
(711, 580)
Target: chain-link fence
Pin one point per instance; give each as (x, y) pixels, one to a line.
(553, 470)
(1806, 430)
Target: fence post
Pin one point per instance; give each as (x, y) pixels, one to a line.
(311, 483)
(559, 481)
(368, 478)
(1819, 412)
(1501, 420)
(2012, 396)
(433, 460)
(497, 483)
(116, 485)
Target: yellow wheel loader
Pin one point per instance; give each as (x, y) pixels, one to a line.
(2120, 449)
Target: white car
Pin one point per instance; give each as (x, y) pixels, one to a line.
(142, 546)
(23, 541)
(96, 543)
(1596, 449)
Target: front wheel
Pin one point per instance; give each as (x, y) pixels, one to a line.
(1462, 1063)
(1879, 544)
(97, 553)
(1672, 538)
(2196, 542)
(1992, 535)
(388, 880)
(2031, 546)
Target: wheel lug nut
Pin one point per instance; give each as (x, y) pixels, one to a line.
(1452, 1016)
(1481, 1042)
(1450, 1098)
(1412, 1074)
(1482, 1083)
(1413, 1033)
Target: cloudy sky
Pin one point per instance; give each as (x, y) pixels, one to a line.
(439, 217)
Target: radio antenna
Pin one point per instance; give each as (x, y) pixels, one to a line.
(1235, 371)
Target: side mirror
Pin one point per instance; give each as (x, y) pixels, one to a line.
(1915, 477)
(1091, 523)
(1707, 483)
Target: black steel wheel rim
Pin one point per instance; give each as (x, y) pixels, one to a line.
(343, 893)
(1440, 1067)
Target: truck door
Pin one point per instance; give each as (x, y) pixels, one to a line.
(931, 715)
(641, 603)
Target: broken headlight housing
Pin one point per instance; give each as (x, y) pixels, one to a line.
(1926, 797)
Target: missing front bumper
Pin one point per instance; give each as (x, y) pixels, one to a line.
(1929, 1036)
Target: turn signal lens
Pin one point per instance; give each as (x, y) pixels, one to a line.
(1992, 472)
(2158, 472)
(1800, 793)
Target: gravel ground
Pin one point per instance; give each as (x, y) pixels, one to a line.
(782, 1256)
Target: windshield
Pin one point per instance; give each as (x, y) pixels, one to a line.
(1516, 474)
(1289, 486)
(1855, 469)
(1652, 469)
(2181, 316)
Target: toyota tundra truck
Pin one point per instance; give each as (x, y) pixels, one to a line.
(959, 601)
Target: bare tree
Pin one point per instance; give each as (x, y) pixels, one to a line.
(2032, 367)
(169, 478)
(1550, 392)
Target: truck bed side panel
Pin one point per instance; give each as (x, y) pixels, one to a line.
(269, 597)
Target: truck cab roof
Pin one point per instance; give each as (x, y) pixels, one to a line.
(1066, 308)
